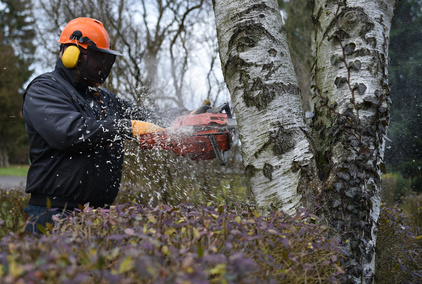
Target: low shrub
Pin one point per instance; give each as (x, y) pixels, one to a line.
(394, 188)
(12, 203)
(412, 206)
(399, 248)
(130, 243)
(182, 244)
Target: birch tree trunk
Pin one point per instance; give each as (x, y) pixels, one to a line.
(266, 99)
(351, 117)
(351, 114)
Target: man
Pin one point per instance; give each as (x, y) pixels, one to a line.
(76, 129)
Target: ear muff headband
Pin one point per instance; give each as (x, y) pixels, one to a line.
(70, 56)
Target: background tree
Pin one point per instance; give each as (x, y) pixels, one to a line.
(336, 171)
(16, 56)
(404, 151)
(298, 25)
(9, 101)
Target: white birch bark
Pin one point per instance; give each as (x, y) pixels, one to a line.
(351, 113)
(266, 100)
(351, 107)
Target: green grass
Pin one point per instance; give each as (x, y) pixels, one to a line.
(15, 170)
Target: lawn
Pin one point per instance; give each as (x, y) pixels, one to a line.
(14, 170)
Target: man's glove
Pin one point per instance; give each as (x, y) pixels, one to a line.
(142, 127)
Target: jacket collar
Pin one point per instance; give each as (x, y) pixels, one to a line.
(70, 76)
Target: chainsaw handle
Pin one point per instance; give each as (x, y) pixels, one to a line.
(220, 109)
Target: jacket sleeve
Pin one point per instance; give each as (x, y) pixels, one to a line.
(53, 115)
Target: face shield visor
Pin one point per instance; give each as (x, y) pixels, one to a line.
(98, 64)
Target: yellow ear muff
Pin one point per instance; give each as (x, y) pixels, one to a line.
(70, 56)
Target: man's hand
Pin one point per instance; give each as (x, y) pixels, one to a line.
(142, 127)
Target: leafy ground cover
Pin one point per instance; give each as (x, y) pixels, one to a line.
(180, 244)
(132, 243)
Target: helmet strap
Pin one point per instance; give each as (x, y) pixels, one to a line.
(77, 35)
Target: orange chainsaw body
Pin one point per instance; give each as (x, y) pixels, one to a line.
(203, 136)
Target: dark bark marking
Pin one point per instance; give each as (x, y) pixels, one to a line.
(282, 139)
(268, 171)
(262, 7)
(266, 93)
(250, 171)
(272, 52)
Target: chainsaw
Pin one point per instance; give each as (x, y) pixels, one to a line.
(204, 134)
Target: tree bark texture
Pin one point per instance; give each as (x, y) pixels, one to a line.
(4, 157)
(351, 96)
(266, 99)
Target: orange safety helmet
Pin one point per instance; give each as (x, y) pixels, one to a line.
(88, 34)
(87, 31)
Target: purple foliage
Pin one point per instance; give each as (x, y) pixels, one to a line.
(166, 244)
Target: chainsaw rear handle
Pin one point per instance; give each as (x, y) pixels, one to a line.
(226, 108)
(219, 109)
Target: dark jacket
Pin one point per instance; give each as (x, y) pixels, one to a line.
(76, 141)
